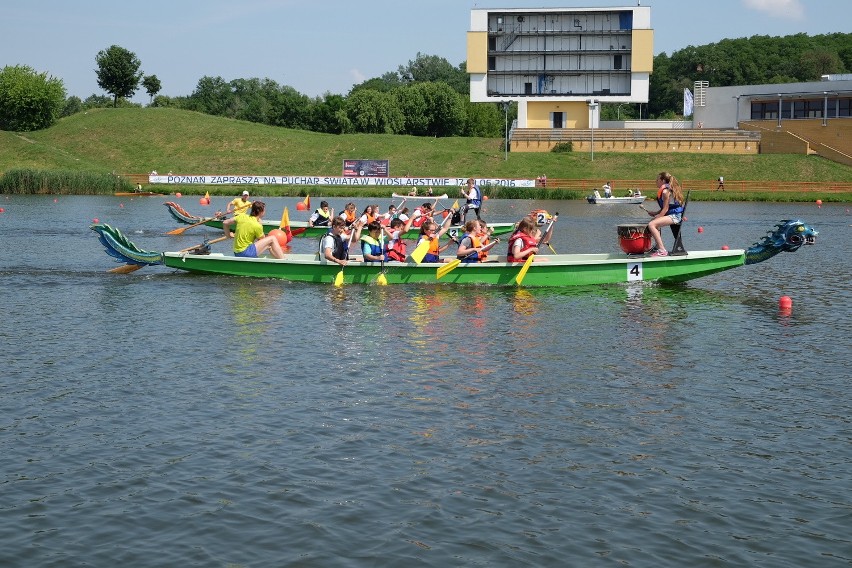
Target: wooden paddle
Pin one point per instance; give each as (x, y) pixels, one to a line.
(381, 280)
(128, 268)
(420, 251)
(180, 230)
(452, 265)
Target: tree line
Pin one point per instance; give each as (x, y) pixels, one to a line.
(426, 97)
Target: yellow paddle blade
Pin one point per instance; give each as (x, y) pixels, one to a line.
(381, 280)
(420, 251)
(285, 219)
(447, 268)
(338, 280)
(520, 277)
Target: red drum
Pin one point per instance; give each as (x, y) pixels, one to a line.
(634, 239)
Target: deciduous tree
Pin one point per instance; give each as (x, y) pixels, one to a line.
(118, 72)
(29, 100)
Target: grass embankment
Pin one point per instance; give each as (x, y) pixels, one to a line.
(136, 140)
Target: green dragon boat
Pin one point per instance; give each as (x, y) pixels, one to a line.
(301, 228)
(550, 270)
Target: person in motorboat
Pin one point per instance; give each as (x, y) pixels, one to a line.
(607, 187)
(670, 201)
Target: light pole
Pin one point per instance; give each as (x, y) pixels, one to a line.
(593, 105)
(506, 140)
(618, 111)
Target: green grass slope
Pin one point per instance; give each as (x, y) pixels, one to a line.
(138, 140)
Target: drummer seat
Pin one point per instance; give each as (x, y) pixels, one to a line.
(677, 248)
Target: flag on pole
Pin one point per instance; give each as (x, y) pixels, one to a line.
(285, 224)
(687, 102)
(307, 202)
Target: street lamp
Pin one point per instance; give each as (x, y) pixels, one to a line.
(618, 111)
(593, 106)
(506, 105)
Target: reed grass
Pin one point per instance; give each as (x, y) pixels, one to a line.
(63, 182)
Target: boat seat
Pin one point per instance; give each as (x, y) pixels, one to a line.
(678, 248)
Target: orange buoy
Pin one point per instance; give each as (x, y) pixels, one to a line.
(819, 202)
(700, 229)
(95, 221)
(300, 206)
(785, 303)
(280, 236)
(485, 198)
(178, 194)
(204, 201)
(725, 247)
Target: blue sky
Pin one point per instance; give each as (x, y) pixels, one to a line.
(323, 46)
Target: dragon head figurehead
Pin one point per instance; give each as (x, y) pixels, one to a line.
(788, 236)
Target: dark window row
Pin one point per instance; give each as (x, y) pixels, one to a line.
(801, 108)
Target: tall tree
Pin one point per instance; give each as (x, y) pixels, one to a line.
(29, 100)
(152, 85)
(118, 72)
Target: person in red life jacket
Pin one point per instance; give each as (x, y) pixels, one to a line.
(321, 217)
(371, 248)
(670, 200)
(396, 249)
(422, 213)
(523, 242)
(430, 231)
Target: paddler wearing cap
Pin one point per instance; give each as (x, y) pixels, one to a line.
(239, 205)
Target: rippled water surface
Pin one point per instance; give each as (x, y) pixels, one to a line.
(165, 419)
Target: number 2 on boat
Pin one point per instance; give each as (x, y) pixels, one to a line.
(634, 272)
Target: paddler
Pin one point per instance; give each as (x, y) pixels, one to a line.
(239, 205)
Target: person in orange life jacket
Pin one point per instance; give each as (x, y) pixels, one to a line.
(332, 247)
(321, 217)
(349, 214)
(430, 231)
(396, 249)
(670, 200)
(484, 234)
(523, 242)
(371, 248)
(249, 240)
(469, 246)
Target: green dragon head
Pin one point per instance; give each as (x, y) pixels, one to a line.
(788, 236)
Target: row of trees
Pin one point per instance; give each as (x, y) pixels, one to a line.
(427, 97)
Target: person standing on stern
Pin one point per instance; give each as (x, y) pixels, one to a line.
(670, 200)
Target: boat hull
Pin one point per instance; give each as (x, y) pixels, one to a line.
(615, 200)
(555, 270)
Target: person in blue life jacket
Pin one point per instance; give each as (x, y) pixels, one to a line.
(332, 247)
(470, 245)
(473, 199)
(670, 201)
(371, 248)
(321, 217)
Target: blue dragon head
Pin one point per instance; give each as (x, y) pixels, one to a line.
(788, 236)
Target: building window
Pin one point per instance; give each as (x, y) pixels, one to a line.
(616, 62)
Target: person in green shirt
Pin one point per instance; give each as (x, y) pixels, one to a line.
(249, 240)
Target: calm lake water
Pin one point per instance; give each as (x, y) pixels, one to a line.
(165, 419)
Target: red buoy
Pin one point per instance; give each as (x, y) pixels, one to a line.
(725, 247)
(700, 229)
(300, 206)
(785, 303)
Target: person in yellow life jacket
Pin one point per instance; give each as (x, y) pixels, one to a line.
(249, 240)
(321, 217)
(430, 231)
(239, 205)
(371, 248)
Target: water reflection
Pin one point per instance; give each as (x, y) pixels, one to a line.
(251, 304)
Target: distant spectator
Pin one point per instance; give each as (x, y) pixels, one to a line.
(721, 184)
